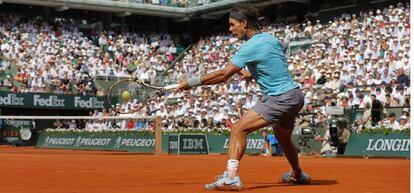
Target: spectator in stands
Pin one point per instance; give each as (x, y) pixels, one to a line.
(58, 124)
(376, 110)
(162, 111)
(73, 125)
(391, 122)
(7, 82)
(404, 124)
(90, 89)
(387, 100)
(402, 78)
(66, 85)
(130, 124)
(100, 92)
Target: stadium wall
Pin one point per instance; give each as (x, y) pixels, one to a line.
(142, 142)
(394, 145)
(365, 145)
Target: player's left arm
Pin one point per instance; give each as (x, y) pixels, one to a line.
(215, 77)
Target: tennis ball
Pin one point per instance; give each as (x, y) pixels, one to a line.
(126, 95)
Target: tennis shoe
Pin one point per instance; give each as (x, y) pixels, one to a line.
(303, 179)
(224, 183)
(224, 175)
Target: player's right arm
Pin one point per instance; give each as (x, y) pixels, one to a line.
(215, 77)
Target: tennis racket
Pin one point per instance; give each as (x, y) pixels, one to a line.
(125, 95)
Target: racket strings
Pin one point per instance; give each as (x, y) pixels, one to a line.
(138, 96)
(143, 92)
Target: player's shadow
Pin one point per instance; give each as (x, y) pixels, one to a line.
(322, 182)
(313, 183)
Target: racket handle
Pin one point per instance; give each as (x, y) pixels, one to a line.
(171, 87)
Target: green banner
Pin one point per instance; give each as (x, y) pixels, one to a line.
(11, 130)
(397, 145)
(192, 144)
(216, 144)
(172, 144)
(255, 143)
(119, 141)
(220, 143)
(140, 142)
(52, 101)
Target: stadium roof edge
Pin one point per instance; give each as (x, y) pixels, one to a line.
(211, 10)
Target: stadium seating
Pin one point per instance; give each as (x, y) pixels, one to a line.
(342, 62)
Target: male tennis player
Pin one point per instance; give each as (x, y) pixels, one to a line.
(266, 63)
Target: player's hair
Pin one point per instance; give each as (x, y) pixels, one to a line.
(250, 13)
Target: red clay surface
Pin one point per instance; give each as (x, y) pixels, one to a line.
(31, 170)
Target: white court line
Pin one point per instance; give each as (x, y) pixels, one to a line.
(104, 171)
(19, 155)
(85, 171)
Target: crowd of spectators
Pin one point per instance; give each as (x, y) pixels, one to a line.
(358, 61)
(171, 3)
(56, 57)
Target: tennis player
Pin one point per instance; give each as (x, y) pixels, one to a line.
(263, 56)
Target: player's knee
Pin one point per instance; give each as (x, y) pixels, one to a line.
(239, 129)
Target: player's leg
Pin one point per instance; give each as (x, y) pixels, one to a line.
(289, 149)
(230, 180)
(249, 122)
(285, 109)
(296, 175)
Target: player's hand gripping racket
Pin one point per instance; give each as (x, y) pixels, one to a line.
(131, 90)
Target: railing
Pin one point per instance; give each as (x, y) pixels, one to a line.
(110, 78)
(179, 58)
(298, 45)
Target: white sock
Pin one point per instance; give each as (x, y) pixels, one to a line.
(232, 168)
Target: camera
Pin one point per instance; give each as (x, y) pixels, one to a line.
(336, 127)
(305, 136)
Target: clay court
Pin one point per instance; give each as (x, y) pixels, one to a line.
(32, 170)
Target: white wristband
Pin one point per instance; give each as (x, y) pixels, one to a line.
(194, 81)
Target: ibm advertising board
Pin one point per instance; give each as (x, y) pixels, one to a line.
(192, 144)
(196, 144)
(52, 101)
